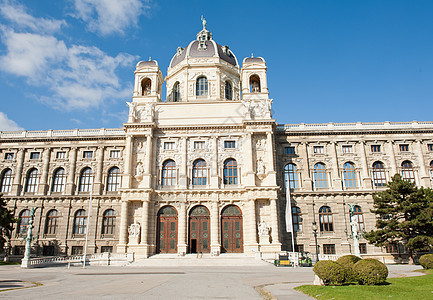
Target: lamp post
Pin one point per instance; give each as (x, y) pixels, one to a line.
(315, 228)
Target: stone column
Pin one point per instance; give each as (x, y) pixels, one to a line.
(308, 182)
(183, 168)
(394, 168)
(337, 182)
(97, 186)
(272, 178)
(214, 230)
(16, 187)
(181, 237)
(250, 230)
(214, 182)
(274, 221)
(145, 223)
(123, 234)
(44, 184)
(248, 166)
(366, 179)
(70, 180)
(147, 178)
(424, 176)
(127, 176)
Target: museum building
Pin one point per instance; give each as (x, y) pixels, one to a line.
(208, 170)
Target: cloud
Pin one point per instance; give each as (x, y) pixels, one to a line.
(6, 124)
(75, 76)
(17, 15)
(110, 16)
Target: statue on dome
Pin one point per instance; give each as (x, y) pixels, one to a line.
(203, 20)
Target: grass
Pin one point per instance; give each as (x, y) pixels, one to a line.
(8, 263)
(407, 288)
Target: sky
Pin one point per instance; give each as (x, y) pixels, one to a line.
(69, 64)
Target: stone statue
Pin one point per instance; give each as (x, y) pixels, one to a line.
(248, 108)
(139, 171)
(263, 228)
(132, 111)
(260, 167)
(203, 20)
(134, 230)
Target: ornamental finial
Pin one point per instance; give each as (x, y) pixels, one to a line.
(203, 20)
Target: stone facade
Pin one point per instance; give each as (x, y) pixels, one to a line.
(204, 171)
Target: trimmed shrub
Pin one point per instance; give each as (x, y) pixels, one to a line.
(331, 272)
(426, 261)
(347, 262)
(370, 271)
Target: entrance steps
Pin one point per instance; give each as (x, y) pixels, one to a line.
(197, 260)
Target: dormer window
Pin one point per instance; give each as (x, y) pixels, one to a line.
(254, 84)
(228, 91)
(176, 92)
(146, 85)
(201, 87)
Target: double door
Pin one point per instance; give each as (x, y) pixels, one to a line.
(231, 231)
(199, 241)
(167, 234)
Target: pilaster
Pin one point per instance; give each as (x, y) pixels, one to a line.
(181, 237)
(16, 187)
(43, 184)
(70, 185)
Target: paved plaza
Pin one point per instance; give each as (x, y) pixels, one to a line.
(164, 282)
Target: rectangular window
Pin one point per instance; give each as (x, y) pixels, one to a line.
(318, 149)
(229, 144)
(87, 154)
(19, 250)
(9, 156)
(391, 248)
(328, 248)
(35, 155)
(363, 248)
(299, 248)
(48, 251)
(77, 250)
(430, 147)
(375, 148)
(404, 147)
(199, 145)
(105, 249)
(115, 154)
(347, 149)
(61, 155)
(169, 145)
(289, 150)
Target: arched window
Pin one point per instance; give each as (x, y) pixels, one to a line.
(357, 213)
(230, 171)
(176, 92)
(59, 180)
(146, 86)
(169, 173)
(201, 86)
(407, 171)
(379, 176)
(297, 219)
(228, 91)
(113, 179)
(291, 176)
(80, 222)
(325, 219)
(86, 180)
(23, 222)
(109, 222)
(199, 172)
(431, 169)
(349, 175)
(320, 176)
(51, 222)
(32, 181)
(6, 181)
(255, 84)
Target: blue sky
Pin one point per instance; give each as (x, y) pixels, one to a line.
(68, 64)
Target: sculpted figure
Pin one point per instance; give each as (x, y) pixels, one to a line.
(132, 110)
(134, 230)
(263, 228)
(260, 167)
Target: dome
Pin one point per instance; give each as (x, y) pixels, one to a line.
(204, 46)
(254, 60)
(148, 63)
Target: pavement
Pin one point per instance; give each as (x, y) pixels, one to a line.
(220, 281)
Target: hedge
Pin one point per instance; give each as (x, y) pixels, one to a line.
(347, 262)
(370, 271)
(330, 272)
(426, 261)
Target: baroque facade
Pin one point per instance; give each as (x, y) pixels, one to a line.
(206, 170)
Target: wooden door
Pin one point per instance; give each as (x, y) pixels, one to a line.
(232, 230)
(199, 241)
(166, 239)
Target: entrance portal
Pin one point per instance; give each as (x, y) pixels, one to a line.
(167, 230)
(199, 230)
(231, 230)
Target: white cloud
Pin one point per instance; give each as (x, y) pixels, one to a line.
(16, 14)
(6, 124)
(76, 76)
(110, 16)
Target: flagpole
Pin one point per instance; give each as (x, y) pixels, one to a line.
(87, 225)
(289, 217)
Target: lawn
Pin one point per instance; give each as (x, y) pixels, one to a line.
(8, 263)
(420, 287)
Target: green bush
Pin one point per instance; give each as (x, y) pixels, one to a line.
(370, 271)
(347, 262)
(426, 261)
(331, 272)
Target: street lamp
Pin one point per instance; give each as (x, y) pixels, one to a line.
(315, 228)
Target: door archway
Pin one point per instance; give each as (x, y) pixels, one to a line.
(167, 230)
(199, 230)
(232, 230)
